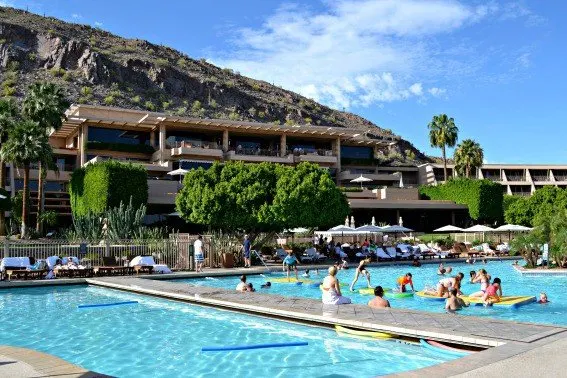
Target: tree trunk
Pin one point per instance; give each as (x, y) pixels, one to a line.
(444, 164)
(468, 170)
(24, 231)
(39, 200)
(2, 213)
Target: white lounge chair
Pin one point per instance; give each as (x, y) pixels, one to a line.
(307, 255)
(406, 250)
(382, 255)
(149, 261)
(314, 255)
(488, 251)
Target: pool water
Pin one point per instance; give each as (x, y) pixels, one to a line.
(162, 338)
(513, 283)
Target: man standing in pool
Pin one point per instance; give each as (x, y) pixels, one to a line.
(246, 248)
(290, 262)
(361, 269)
(378, 301)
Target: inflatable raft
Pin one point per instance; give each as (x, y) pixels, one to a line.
(505, 301)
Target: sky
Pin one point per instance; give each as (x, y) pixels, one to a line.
(495, 66)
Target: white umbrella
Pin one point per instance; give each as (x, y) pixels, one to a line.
(396, 228)
(448, 228)
(298, 230)
(478, 228)
(176, 214)
(352, 221)
(368, 229)
(373, 221)
(178, 172)
(361, 179)
(3, 196)
(512, 228)
(340, 228)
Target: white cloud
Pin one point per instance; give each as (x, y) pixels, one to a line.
(360, 52)
(524, 60)
(76, 16)
(98, 24)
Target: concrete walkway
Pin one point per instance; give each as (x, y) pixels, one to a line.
(27, 363)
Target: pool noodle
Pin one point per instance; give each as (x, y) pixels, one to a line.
(107, 304)
(256, 346)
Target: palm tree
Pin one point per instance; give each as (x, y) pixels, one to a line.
(45, 103)
(8, 116)
(27, 143)
(443, 133)
(468, 155)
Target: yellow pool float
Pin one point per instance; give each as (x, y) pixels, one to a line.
(370, 291)
(291, 280)
(367, 334)
(428, 296)
(505, 301)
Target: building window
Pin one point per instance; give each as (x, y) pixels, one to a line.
(350, 152)
(192, 164)
(104, 135)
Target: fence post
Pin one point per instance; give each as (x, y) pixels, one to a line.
(191, 255)
(6, 247)
(106, 248)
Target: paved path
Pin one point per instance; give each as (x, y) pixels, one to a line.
(26, 363)
(469, 330)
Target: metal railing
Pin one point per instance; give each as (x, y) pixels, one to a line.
(541, 178)
(176, 253)
(190, 143)
(310, 151)
(256, 151)
(516, 178)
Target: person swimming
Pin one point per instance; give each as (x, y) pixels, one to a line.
(543, 298)
(242, 284)
(306, 274)
(378, 301)
(250, 287)
(267, 285)
(472, 274)
(416, 263)
(454, 303)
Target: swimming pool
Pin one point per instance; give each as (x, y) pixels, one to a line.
(513, 283)
(162, 338)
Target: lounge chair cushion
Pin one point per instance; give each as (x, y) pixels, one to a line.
(149, 261)
(51, 261)
(15, 262)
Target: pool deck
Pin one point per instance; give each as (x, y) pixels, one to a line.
(540, 272)
(513, 340)
(27, 363)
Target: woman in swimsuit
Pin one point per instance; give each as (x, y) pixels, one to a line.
(484, 279)
(491, 294)
(332, 289)
(361, 269)
(445, 285)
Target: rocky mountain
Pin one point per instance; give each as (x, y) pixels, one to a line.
(97, 67)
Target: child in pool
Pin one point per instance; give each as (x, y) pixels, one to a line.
(543, 298)
(267, 285)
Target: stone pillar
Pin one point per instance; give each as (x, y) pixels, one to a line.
(336, 146)
(83, 139)
(152, 138)
(225, 145)
(162, 139)
(283, 145)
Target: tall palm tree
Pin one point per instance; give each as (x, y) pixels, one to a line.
(468, 155)
(443, 133)
(45, 103)
(8, 116)
(27, 143)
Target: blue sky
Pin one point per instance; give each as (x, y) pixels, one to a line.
(495, 66)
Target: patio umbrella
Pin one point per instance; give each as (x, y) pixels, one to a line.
(298, 230)
(477, 229)
(352, 221)
(448, 228)
(373, 221)
(395, 229)
(368, 229)
(361, 179)
(178, 172)
(512, 228)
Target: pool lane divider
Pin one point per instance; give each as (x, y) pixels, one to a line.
(254, 346)
(107, 304)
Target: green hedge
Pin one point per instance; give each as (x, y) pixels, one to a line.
(350, 189)
(104, 185)
(121, 147)
(484, 198)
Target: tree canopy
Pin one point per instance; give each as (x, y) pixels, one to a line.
(544, 201)
(468, 156)
(261, 197)
(443, 133)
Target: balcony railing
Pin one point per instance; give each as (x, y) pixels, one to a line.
(312, 151)
(524, 194)
(493, 177)
(560, 177)
(192, 144)
(541, 178)
(255, 151)
(516, 178)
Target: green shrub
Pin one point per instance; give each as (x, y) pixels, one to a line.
(256, 86)
(213, 104)
(87, 91)
(182, 110)
(150, 106)
(234, 116)
(181, 63)
(350, 189)
(32, 57)
(165, 105)
(261, 114)
(196, 107)
(252, 112)
(109, 100)
(8, 91)
(483, 197)
(289, 122)
(57, 72)
(136, 99)
(160, 62)
(308, 120)
(121, 147)
(101, 186)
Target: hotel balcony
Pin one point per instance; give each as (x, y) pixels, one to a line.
(202, 150)
(258, 155)
(321, 157)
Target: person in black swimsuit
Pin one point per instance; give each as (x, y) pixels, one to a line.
(361, 269)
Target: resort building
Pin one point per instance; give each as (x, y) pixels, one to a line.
(163, 143)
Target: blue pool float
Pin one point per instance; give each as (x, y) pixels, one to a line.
(107, 304)
(256, 346)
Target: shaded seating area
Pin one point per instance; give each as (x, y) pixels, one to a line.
(110, 267)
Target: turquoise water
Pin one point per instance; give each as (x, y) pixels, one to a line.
(512, 283)
(161, 338)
